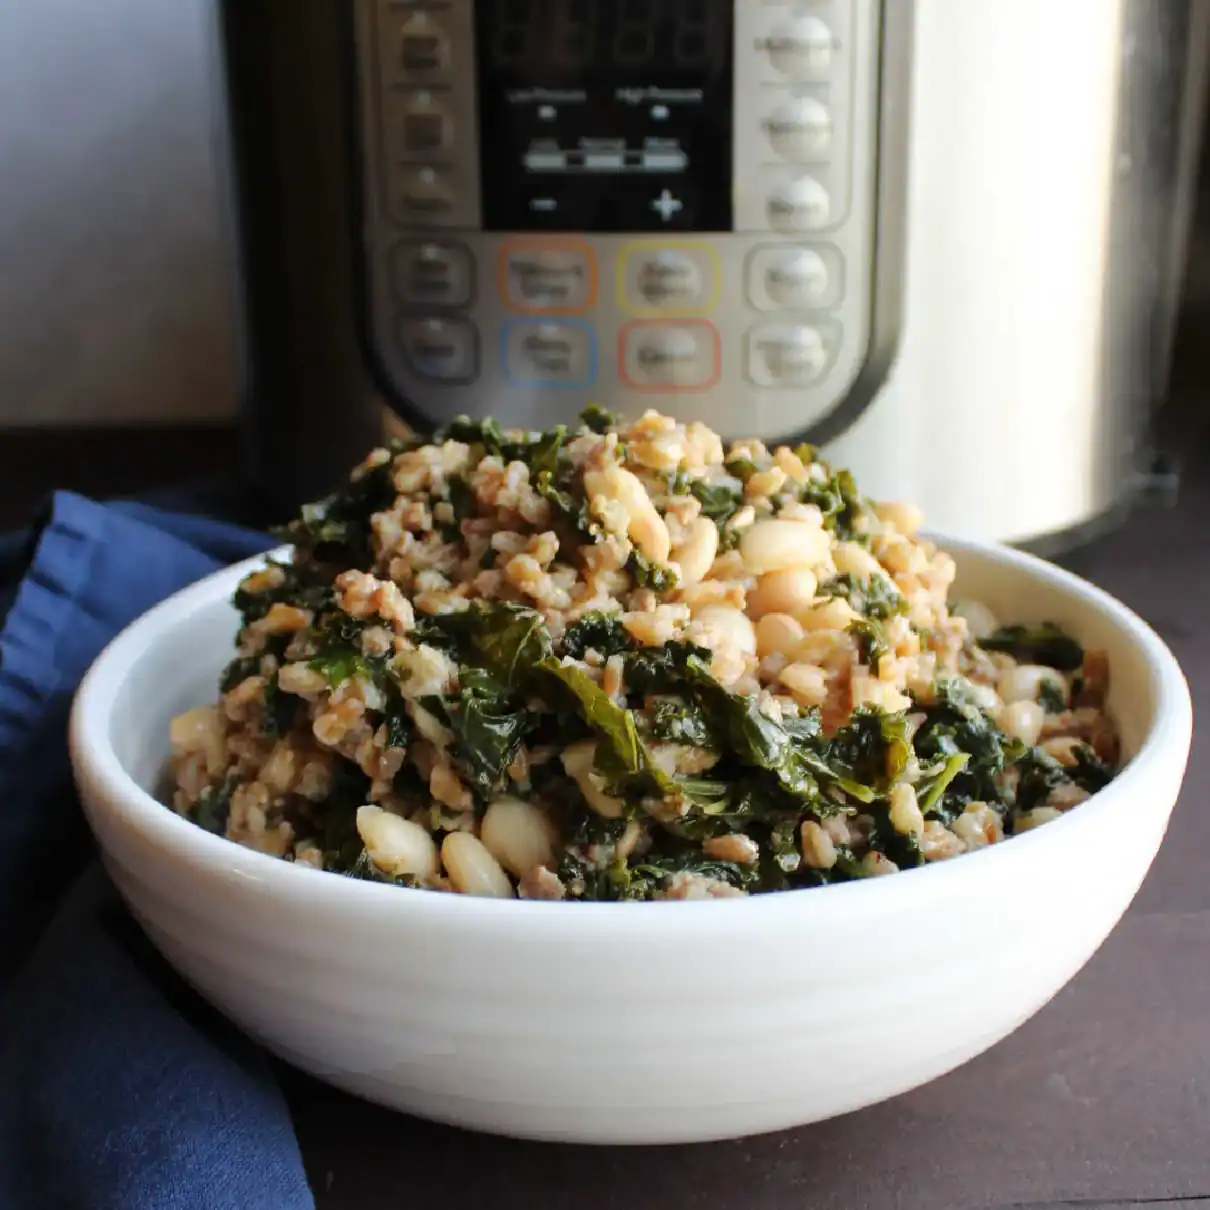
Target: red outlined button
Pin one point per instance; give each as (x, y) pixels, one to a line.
(667, 355)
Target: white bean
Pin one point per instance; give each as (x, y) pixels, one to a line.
(518, 835)
(818, 848)
(695, 553)
(783, 592)
(727, 627)
(1024, 683)
(396, 845)
(980, 621)
(778, 633)
(1022, 720)
(831, 613)
(869, 691)
(808, 683)
(906, 518)
(1063, 748)
(1029, 820)
(578, 762)
(646, 528)
(854, 560)
(905, 814)
(985, 697)
(782, 546)
(472, 869)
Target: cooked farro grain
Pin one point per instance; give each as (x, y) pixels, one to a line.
(627, 662)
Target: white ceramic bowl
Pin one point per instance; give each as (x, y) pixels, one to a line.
(629, 1023)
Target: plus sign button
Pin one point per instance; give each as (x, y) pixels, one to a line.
(667, 206)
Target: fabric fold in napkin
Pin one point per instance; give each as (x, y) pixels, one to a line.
(118, 1086)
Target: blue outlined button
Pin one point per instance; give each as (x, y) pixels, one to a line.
(560, 354)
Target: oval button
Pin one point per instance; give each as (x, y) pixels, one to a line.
(800, 129)
(801, 47)
(801, 204)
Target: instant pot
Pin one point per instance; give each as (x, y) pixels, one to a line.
(943, 239)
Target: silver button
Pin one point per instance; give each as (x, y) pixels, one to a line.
(445, 350)
(547, 279)
(424, 48)
(785, 277)
(801, 47)
(800, 204)
(549, 354)
(440, 274)
(786, 355)
(427, 128)
(423, 191)
(800, 129)
(670, 356)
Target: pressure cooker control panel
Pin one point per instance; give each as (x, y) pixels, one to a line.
(671, 203)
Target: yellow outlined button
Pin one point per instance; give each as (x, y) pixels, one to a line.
(668, 277)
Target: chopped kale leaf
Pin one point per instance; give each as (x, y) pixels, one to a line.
(871, 639)
(506, 640)
(1047, 644)
(621, 754)
(281, 709)
(875, 597)
(489, 728)
(600, 632)
(839, 501)
(650, 575)
(596, 419)
(214, 806)
(1051, 696)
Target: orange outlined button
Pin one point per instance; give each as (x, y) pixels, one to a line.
(669, 355)
(547, 277)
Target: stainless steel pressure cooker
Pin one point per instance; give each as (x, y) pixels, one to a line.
(944, 239)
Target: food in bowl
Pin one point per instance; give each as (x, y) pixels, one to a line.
(627, 661)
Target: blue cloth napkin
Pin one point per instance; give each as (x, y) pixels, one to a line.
(118, 1086)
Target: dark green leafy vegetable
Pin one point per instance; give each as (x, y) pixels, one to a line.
(337, 529)
(506, 640)
(214, 806)
(719, 501)
(872, 642)
(597, 419)
(281, 708)
(1091, 773)
(1047, 644)
(296, 588)
(339, 838)
(678, 722)
(238, 671)
(621, 755)
(954, 725)
(655, 873)
(840, 502)
(489, 728)
(650, 575)
(1051, 696)
(600, 632)
(934, 785)
(875, 597)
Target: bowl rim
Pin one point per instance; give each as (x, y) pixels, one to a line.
(93, 758)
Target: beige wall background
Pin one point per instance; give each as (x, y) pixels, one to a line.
(113, 271)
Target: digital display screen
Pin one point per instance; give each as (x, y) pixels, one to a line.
(605, 115)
